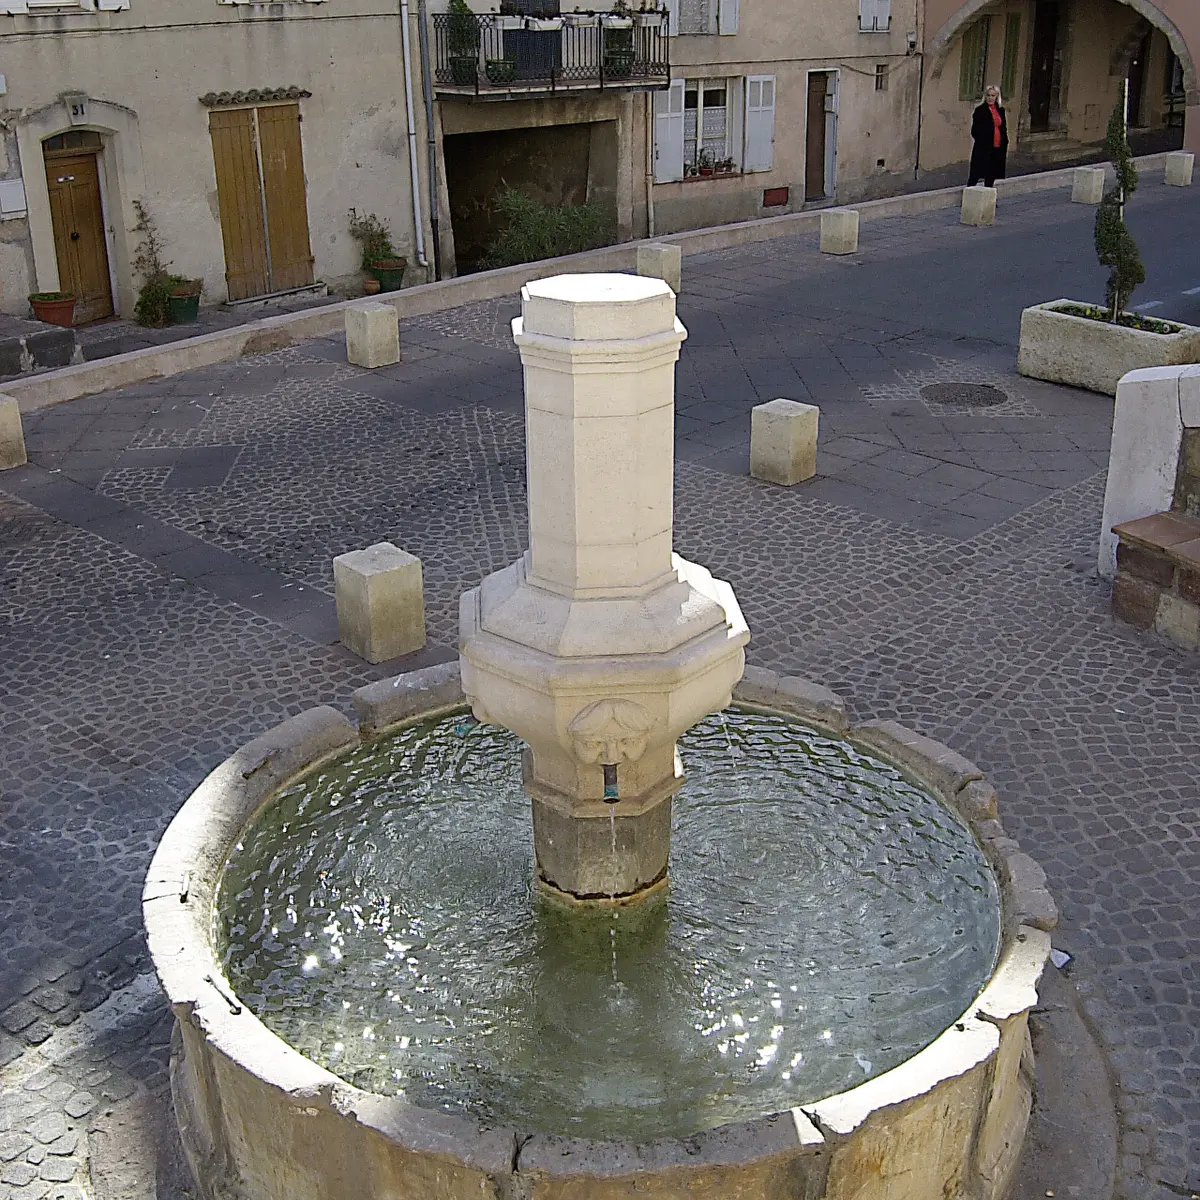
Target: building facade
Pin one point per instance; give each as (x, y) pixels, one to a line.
(1060, 65)
(245, 131)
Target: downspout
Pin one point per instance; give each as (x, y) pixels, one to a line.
(649, 164)
(427, 91)
(414, 177)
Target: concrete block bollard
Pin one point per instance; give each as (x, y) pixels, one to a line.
(783, 441)
(372, 335)
(1179, 169)
(12, 439)
(839, 231)
(1087, 185)
(661, 261)
(978, 206)
(380, 601)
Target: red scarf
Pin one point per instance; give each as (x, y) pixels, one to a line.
(997, 121)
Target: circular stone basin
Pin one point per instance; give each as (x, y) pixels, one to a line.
(826, 919)
(372, 1000)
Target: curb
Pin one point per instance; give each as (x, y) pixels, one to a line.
(290, 329)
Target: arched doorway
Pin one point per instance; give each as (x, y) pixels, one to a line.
(77, 217)
(1060, 66)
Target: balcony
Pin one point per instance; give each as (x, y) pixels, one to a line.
(496, 57)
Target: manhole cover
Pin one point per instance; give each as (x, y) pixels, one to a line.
(963, 395)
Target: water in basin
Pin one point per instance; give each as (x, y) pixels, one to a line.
(825, 920)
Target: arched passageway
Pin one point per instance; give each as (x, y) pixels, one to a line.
(1060, 64)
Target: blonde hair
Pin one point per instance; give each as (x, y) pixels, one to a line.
(991, 87)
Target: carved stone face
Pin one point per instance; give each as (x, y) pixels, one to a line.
(611, 731)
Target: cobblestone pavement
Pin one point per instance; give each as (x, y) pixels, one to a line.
(166, 593)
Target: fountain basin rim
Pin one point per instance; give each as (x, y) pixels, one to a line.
(182, 884)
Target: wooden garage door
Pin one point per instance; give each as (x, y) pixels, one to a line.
(260, 191)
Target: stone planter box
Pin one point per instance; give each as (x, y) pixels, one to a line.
(261, 1122)
(1063, 348)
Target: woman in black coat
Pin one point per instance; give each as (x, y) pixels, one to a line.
(989, 132)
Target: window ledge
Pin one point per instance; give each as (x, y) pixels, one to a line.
(709, 178)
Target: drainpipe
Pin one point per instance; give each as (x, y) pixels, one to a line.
(414, 177)
(431, 139)
(649, 164)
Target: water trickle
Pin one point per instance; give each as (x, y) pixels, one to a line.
(387, 892)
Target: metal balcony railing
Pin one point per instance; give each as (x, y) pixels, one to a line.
(490, 55)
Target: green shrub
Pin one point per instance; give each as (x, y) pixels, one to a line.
(1115, 246)
(462, 30)
(373, 236)
(536, 230)
(153, 307)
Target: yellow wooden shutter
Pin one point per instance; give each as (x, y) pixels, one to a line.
(239, 197)
(283, 188)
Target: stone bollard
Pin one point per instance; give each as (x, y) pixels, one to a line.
(1087, 186)
(1179, 169)
(380, 601)
(978, 206)
(839, 231)
(372, 335)
(783, 441)
(12, 439)
(660, 260)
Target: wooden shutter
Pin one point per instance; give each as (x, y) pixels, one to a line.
(668, 133)
(1012, 48)
(283, 190)
(760, 123)
(727, 16)
(974, 60)
(239, 198)
(883, 15)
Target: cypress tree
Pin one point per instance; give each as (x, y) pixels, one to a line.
(1115, 246)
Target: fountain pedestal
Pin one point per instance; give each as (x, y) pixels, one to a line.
(599, 646)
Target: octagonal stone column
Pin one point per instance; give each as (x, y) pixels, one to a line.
(599, 646)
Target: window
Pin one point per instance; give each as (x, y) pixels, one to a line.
(1012, 51)
(697, 16)
(706, 127)
(874, 16)
(77, 139)
(881, 77)
(973, 66)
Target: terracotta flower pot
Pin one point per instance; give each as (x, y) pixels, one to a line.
(54, 308)
(371, 286)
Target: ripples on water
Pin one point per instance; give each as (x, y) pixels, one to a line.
(825, 920)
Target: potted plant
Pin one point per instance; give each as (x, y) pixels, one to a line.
(379, 257)
(706, 163)
(501, 70)
(545, 24)
(1094, 346)
(648, 18)
(53, 308)
(184, 299)
(462, 35)
(724, 166)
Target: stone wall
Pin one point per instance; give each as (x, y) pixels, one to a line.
(1158, 576)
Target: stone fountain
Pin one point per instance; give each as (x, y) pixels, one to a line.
(600, 646)
(382, 990)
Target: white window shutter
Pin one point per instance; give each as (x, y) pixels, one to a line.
(111, 5)
(760, 123)
(672, 7)
(668, 133)
(883, 15)
(13, 6)
(727, 16)
(868, 12)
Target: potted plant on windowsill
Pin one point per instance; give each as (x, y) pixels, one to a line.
(462, 36)
(725, 167)
(184, 299)
(53, 308)
(706, 163)
(379, 257)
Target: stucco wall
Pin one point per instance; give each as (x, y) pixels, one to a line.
(353, 126)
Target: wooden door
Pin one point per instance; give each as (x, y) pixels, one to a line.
(288, 249)
(814, 154)
(239, 198)
(78, 219)
(1041, 76)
